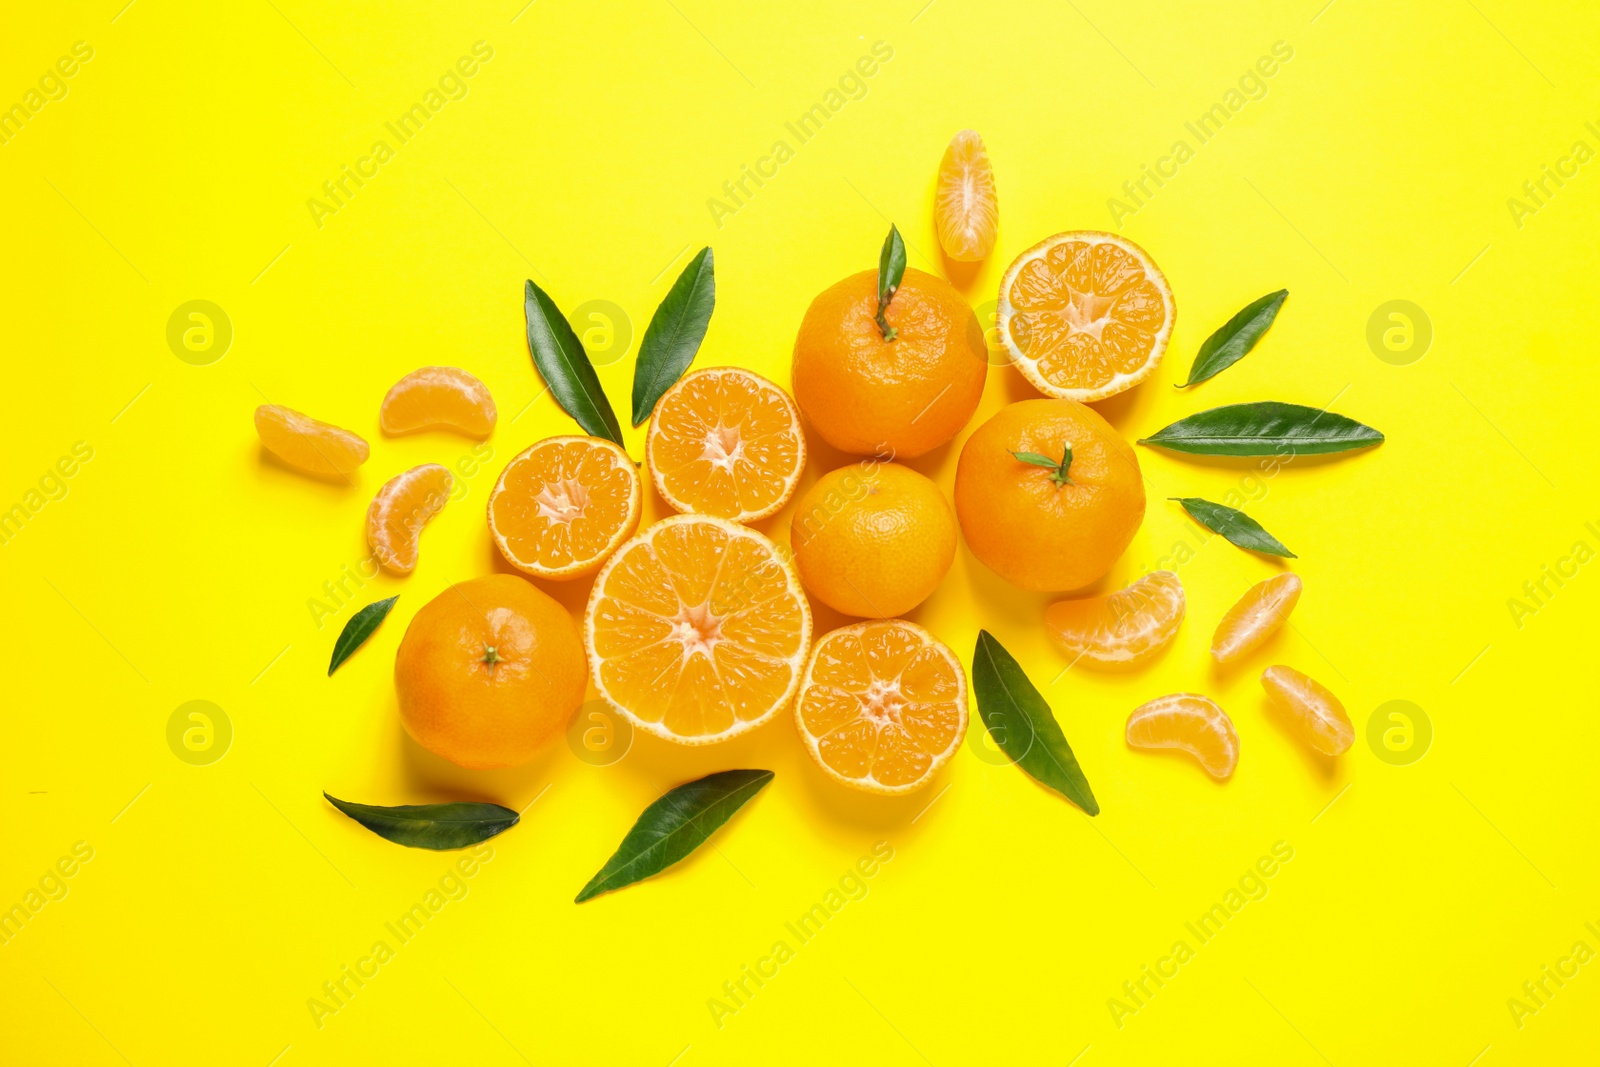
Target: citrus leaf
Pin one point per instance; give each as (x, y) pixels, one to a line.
(674, 334)
(1236, 337)
(1037, 460)
(433, 826)
(675, 826)
(565, 366)
(1264, 428)
(358, 629)
(891, 269)
(1233, 524)
(1020, 722)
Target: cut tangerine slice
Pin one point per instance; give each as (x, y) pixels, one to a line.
(563, 505)
(399, 512)
(726, 442)
(1315, 712)
(966, 213)
(1264, 607)
(882, 706)
(1123, 629)
(431, 398)
(697, 630)
(308, 444)
(1192, 723)
(1085, 315)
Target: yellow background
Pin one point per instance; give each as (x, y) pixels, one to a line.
(179, 564)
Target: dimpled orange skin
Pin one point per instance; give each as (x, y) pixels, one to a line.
(894, 399)
(489, 671)
(872, 539)
(1018, 522)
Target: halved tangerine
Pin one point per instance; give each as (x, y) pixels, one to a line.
(399, 512)
(432, 398)
(1085, 315)
(308, 444)
(1122, 629)
(1192, 723)
(966, 213)
(726, 442)
(697, 629)
(882, 706)
(1264, 607)
(563, 505)
(1311, 708)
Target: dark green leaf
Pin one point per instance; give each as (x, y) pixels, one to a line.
(433, 826)
(675, 826)
(1233, 524)
(565, 366)
(358, 629)
(674, 334)
(1020, 722)
(891, 269)
(1265, 428)
(1236, 337)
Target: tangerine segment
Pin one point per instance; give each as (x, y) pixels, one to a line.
(1122, 629)
(1190, 722)
(1085, 315)
(697, 629)
(399, 512)
(432, 398)
(1264, 607)
(563, 505)
(1315, 712)
(309, 444)
(726, 442)
(882, 706)
(966, 213)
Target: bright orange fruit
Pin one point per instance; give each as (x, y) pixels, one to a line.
(432, 398)
(563, 505)
(1085, 315)
(399, 512)
(308, 444)
(1192, 723)
(966, 213)
(489, 671)
(726, 442)
(892, 399)
(882, 706)
(697, 629)
(1035, 526)
(1264, 607)
(1122, 629)
(873, 539)
(1312, 709)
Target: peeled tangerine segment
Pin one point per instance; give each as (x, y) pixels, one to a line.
(882, 706)
(966, 211)
(1192, 723)
(1264, 608)
(1120, 630)
(1314, 711)
(431, 398)
(399, 512)
(309, 444)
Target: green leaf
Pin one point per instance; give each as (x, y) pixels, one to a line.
(358, 629)
(891, 269)
(1236, 337)
(433, 826)
(675, 333)
(1020, 722)
(1233, 524)
(565, 366)
(1265, 428)
(675, 826)
(1058, 468)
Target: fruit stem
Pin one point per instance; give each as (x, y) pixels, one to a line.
(490, 656)
(884, 328)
